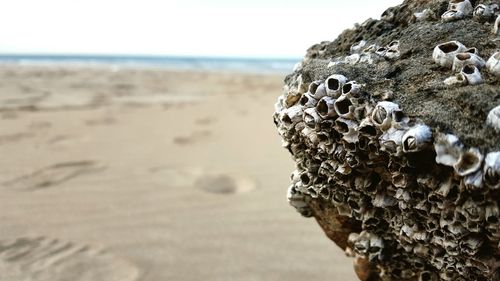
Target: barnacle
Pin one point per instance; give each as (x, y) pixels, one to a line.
(493, 118)
(334, 85)
(493, 64)
(444, 53)
(463, 59)
(485, 12)
(471, 74)
(491, 172)
(496, 26)
(407, 187)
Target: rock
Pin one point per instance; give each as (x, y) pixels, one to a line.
(411, 177)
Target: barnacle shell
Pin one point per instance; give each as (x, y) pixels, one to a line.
(417, 138)
(471, 74)
(464, 6)
(462, 59)
(351, 88)
(334, 85)
(356, 48)
(298, 201)
(348, 128)
(391, 141)
(493, 64)
(496, 26)
(469, 162)
(382, 114)
(451, 15)
(292, 115)
(352, 59)
(491, 170)
(317, 90)
(448, 149)
(344, 107)
(325, 107)
(485, 12)
(493, 119)
(444, 53)
(459, 78)
(392, 53)
(381, 51)
(307, 101)
(312, 118)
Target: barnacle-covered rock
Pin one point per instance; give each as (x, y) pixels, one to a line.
(401, 170)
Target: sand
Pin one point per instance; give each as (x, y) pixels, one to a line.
(123, 174)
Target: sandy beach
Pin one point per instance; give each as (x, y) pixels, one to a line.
(150, 175)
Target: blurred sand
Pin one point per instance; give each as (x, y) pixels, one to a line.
(149, 175)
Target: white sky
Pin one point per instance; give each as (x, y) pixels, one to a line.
(276, 28)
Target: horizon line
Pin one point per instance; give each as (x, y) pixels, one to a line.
(139, 55)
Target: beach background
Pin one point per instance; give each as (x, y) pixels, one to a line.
(120, 172)
(144, 149)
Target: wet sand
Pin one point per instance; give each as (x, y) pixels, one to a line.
(122, 174)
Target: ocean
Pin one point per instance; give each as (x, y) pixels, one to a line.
(245, 65)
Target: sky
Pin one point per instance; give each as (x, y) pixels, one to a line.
(257, 28)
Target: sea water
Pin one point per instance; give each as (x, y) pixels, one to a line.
(248, 65)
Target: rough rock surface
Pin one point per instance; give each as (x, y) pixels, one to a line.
(397, 155)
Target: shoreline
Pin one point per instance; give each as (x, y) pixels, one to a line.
(262, 66)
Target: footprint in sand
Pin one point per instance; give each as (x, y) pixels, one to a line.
(14, 137)
(208, 181)
(224, 183)
(193, 138)
(54, 175)
(45, 259)
(205, 121)
(101, 121)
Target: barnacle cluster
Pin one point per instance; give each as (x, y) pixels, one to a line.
(394, 187)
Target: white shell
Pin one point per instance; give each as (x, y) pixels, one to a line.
(351, 88)
(448, 149)
(371, 49)
(292, 115)
(491, 170)
(382, 114)
(493, 64)
(352, 59)
(367, 128)
(298, 201)
(334, 84)
(493, 119)
(344, 107)
(462, 59)
(469, 162)
(471, 74)
(391, 141)
(496, 26)
(422, 16)
(325, 107)
(317, 90)
(483, 10)
(452, 15)
(392, 54)
(356, 48)
(459, 78)
(311, 117)
(444, 53)
(348, 128)
(381, 51)
(417, 138)
(463, 6)
(308, 101)
(278, 106)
